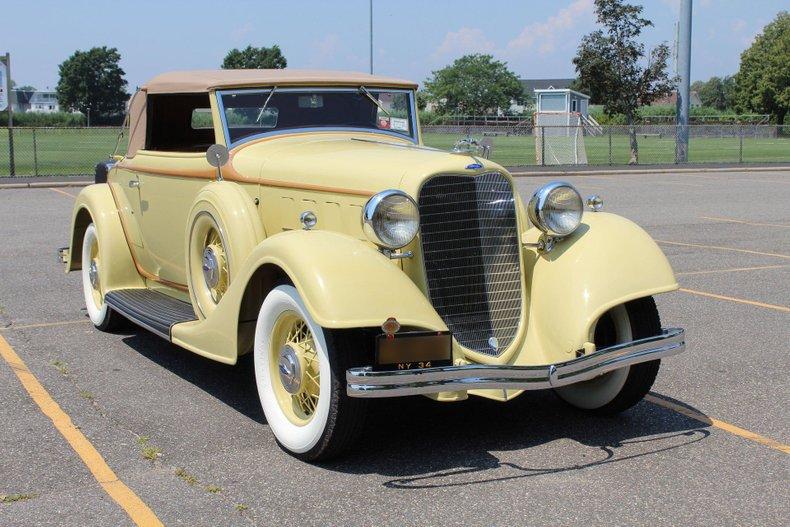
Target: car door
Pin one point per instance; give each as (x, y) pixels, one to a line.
(125, 187)
(172, 170)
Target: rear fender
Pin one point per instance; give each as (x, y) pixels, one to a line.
(95, 204)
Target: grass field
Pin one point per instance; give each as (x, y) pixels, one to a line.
(55, 151)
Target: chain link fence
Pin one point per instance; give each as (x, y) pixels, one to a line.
(527, 144)
(75, 151)
(56, 151)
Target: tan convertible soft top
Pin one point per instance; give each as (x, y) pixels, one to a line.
(200, 81)
(197, 81)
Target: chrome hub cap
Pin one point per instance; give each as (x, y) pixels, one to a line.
(290, 369)
(93, 274)
(210, 267)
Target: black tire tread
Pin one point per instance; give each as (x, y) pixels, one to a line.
(645, 322)
(347, 415)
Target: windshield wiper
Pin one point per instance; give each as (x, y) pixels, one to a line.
(265, 104)
(375, 101)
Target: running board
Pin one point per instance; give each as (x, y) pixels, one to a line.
(154, 311)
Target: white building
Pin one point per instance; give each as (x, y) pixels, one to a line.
(44, 102)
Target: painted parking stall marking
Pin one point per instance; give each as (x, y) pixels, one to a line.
(717, 423)
(135, 508)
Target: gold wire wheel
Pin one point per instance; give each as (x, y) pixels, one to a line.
(215, 265)
(93, 274)
(294, 368)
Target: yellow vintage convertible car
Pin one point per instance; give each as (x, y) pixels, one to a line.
(297, 216)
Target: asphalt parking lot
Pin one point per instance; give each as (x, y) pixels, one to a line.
(187, 437)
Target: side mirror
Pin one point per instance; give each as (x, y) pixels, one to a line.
(217, 156)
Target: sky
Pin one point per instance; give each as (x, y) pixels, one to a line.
(537, 39)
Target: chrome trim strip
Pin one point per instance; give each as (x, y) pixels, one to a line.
(364, 382)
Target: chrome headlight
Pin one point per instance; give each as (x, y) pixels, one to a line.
(556, 208)
(390, 219)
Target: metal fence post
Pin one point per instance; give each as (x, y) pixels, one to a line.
(10, 112)
(740, 144)
(35, 154)
(610, 145)
(542, 146)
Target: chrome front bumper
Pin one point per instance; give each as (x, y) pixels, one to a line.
(364, 382)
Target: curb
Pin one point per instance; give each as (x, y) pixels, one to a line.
(46, 184)
(646, 171)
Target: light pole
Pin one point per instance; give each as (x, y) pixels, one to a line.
(371, 37)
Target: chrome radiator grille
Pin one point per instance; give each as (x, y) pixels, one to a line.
(471, 252)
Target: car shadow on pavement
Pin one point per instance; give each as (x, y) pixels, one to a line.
(233, 385)
(419, 443)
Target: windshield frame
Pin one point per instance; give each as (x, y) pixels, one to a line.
(412, 137)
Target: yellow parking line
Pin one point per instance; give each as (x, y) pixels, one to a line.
(720, 248)
(733, 220)
(46, 324)
(72, 196)
(104, 475)
(710, 421)
(731, 270)
(784, 309)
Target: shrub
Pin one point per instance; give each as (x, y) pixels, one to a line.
(44, 119)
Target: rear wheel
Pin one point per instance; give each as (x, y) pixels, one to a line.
(102, 315)
(300, 373)
(619, 390)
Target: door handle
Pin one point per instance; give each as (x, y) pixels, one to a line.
(134, 183)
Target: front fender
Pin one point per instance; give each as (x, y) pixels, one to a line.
(609, 260)
(344, 283)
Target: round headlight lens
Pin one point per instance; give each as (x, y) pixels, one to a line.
(556, 208)
(390, 219)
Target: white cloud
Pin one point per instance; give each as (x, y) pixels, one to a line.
(545, 35)
(738, 25)
(465, 40)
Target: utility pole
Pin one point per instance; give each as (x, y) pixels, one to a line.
(371, 37)
(10, 111)
(684, 80)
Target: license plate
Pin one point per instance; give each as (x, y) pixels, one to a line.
(414, 350)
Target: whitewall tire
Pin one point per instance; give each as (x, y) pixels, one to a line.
(299, 372)
(616, 391)
(102, 316)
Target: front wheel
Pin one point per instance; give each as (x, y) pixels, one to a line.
(300, 374)
(619, 390)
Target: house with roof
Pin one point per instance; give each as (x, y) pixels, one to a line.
(44, 102)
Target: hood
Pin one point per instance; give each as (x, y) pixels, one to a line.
(361, 162)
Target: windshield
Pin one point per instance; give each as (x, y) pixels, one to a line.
(255, 112)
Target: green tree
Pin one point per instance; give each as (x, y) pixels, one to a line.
(473, 84)
(764, 76)
(92, 82)
(251, 58)
(26, 87)
(716, 92)
(611, 64)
